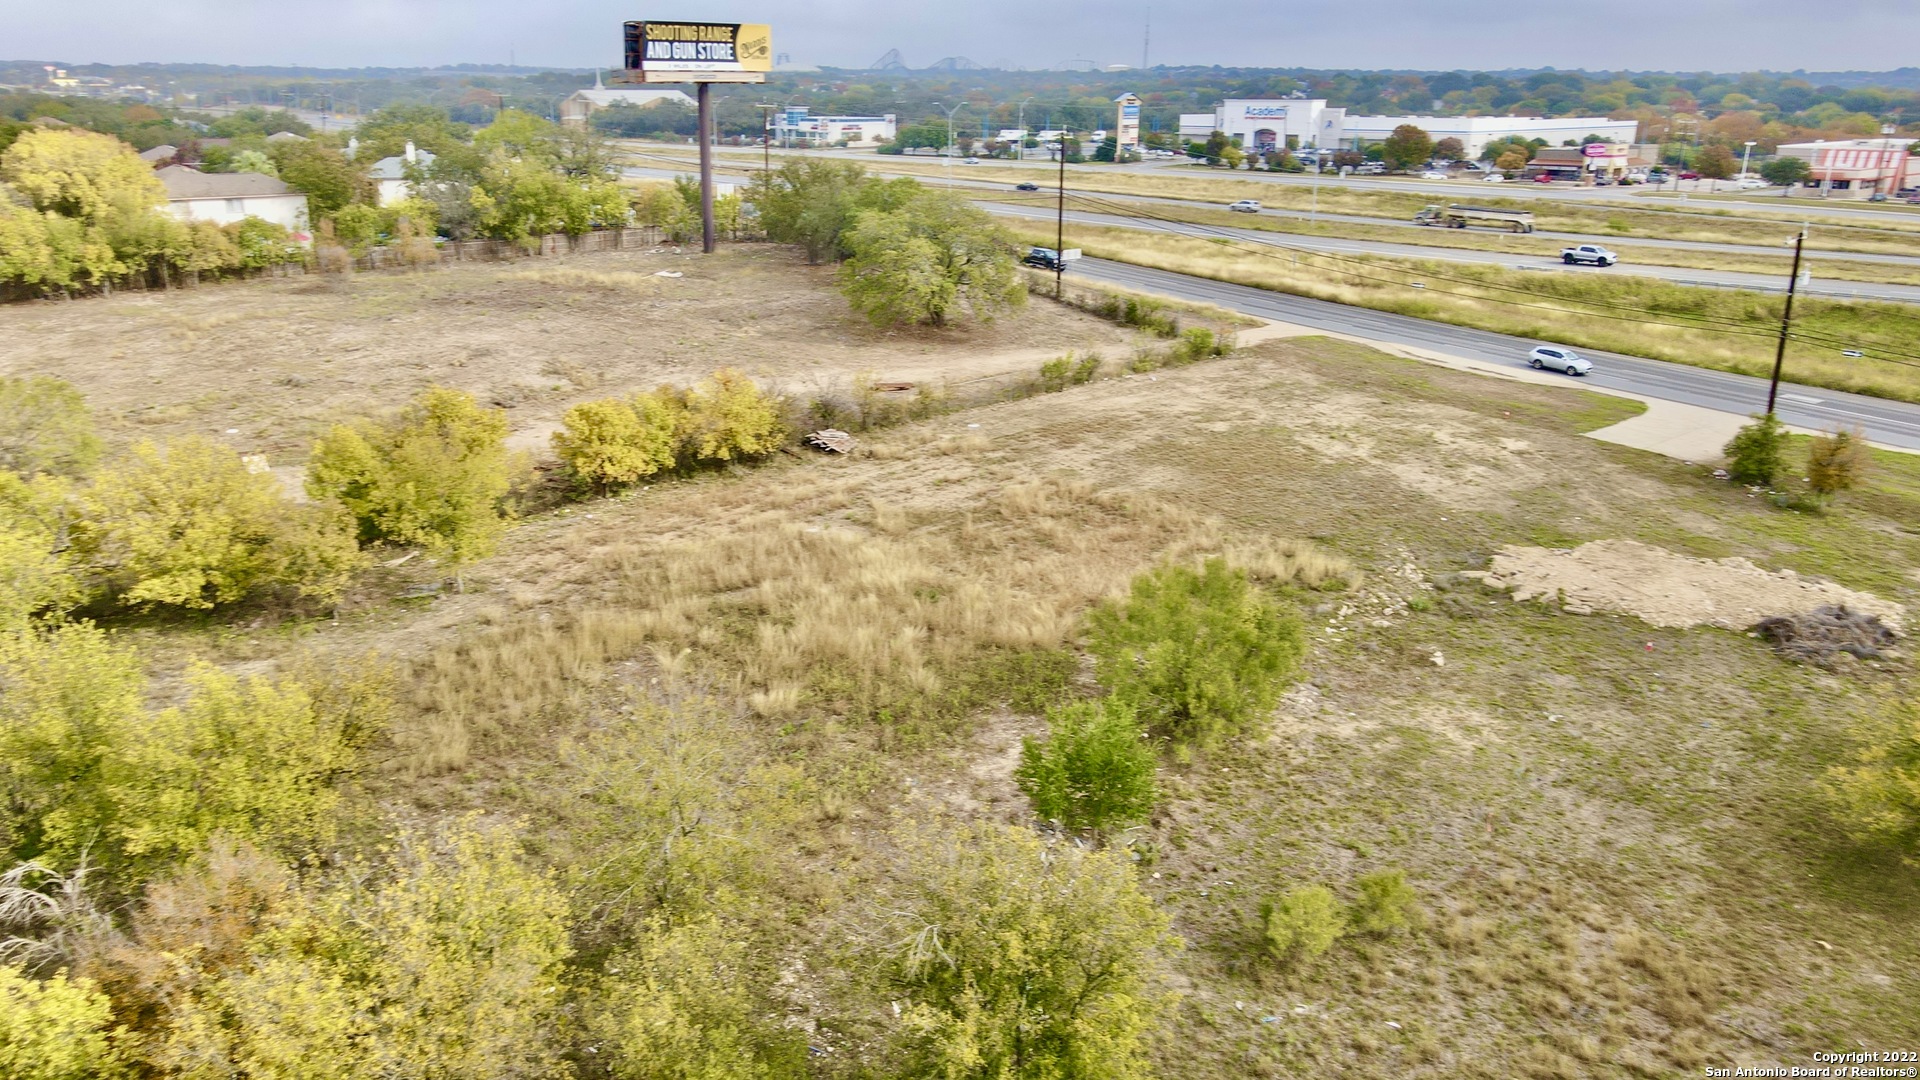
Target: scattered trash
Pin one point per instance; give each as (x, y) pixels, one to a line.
(832, 440)
(1823, 944)
(1299, 1010)
(973, 425)
(1269, 1019)
(1439, 660)
(1854, 353)
(1722, 474)
(1817, 636)
(1649, 646)
(668, 273)
(1393, 1025)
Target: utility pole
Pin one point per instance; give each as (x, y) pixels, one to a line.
(707, 239)
(1786, 321)
(1060, 228)
(766, 136)
(1020, 150)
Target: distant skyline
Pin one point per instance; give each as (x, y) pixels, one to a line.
(1712, 35)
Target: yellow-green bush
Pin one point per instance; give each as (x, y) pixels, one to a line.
(55, 1029)
(88, 769)
(1877, 794)
(605, 444)
(1020, 957)
(443, 960)
(435, 476)
(45, 428)
(188, 525)
(678, 1006)
(1303, 923)
(729, 417)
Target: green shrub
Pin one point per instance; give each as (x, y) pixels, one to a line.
(1095, 771)
(434, 476)
(1386, 903)
(1201, 654)
(1055, 374)
(1836, 462)
(1085, 368)
(606, 444)
(189, 525)
(1757, 452)
(1147, 314)
(1304, 923)
(45, 428)
(729, 417)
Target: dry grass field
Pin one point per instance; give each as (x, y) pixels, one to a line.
(1615, 832)
(267, 364)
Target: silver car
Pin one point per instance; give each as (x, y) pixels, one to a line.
(1547, 356)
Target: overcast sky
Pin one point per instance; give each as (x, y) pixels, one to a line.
(1689, 35)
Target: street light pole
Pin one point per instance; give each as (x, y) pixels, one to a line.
(1786, 321)
(947, 151)
(1745, 156)
(1020, 148)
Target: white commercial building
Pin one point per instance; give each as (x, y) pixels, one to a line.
(1264, 125)
(224, 198)
(1475, 132)
(796, 126)
(1267, 124)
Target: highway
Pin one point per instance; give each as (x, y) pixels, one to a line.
(1890, 423)
(969, 177)
(1849, 290)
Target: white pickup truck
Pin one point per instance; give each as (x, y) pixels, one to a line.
(1588, 253)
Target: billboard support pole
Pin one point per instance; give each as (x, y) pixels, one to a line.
(706, 168)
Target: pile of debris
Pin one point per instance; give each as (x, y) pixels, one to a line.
(1821, 635)
(831, 440)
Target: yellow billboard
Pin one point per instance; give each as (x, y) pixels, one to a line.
(696, 49)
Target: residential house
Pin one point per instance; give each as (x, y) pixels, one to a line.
(389, 174)
(224, 198)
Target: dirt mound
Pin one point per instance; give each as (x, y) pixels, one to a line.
(1666, 589)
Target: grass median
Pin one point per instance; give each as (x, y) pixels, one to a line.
(1722, 329)
(1481, 240)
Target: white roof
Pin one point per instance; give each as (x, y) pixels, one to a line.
(601, 99)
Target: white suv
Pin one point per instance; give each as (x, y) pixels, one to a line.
(1246, 206)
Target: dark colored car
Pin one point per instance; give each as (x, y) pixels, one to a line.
(1044, 258)
(1026, 187)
